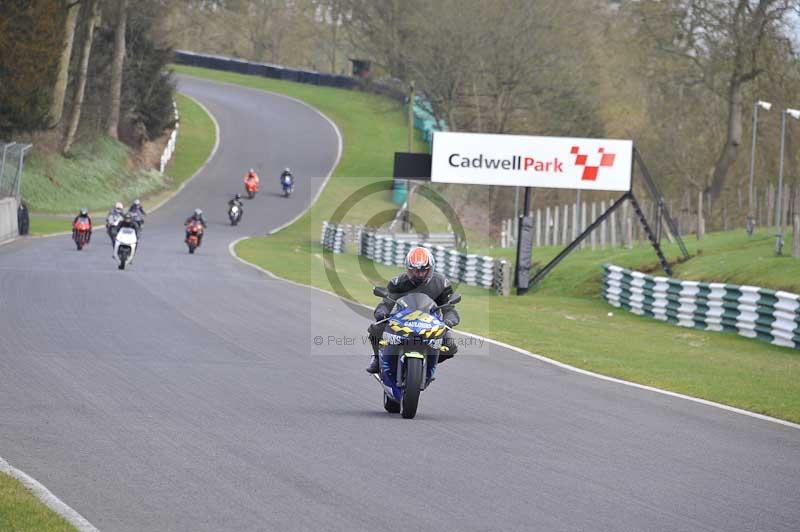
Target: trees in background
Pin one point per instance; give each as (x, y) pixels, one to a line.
(81, 68)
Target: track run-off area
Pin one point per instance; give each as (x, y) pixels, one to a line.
(187, 394)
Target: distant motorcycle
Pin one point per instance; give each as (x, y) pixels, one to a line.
(234, 214)
(288, 186)
(125, 246)
(409, 349)
(138, 217)
(195, 229)
(112, 225)
(81, 232)
(251, 186)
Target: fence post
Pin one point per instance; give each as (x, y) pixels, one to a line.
(796, 237)
(556, 229)
(547, 221)
(603, 226)
(583, 221)
(564, 227)
(575, 219)
(614, 229)
(538, 227)
(701, 226)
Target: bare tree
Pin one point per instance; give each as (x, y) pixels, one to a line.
(382, 30)
(723, 41)
(62, 78)
(77, 104)
(116, 69)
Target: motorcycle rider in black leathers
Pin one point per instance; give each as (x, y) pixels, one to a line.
(128, 221)
(137, 206)
(237, 200)
(419, 277)
(197, 215)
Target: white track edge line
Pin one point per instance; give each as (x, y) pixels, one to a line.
(47, 497)
(543, 358)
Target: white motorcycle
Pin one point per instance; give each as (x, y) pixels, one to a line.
(125, 246)
(234, 214)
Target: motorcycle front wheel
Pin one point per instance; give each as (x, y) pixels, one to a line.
(414, 375)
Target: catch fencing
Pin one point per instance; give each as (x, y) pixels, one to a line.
(12, 158)
(471, 269)
(768, 315)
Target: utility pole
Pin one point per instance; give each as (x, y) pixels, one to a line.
(407, 216)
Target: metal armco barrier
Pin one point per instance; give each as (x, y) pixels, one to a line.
(264, 69)
(768, 315)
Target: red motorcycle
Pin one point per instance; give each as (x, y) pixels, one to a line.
(81, 232)
(195, 230)
(251, 186)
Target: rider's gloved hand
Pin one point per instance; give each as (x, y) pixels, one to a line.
(449, 323)
(380, 314)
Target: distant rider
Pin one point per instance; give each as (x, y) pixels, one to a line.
(197, 216)
(286, 177)
(117, 209)
(137, 206)
(419, 277)
(236, 200)
(251, 178)
(128, 221)
(83, 213)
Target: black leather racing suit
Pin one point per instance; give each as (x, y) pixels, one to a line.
(437, 288)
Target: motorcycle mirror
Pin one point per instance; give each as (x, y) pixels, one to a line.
(380, 291)
(455, 298)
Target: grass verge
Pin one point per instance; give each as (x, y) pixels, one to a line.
(97, 176)
(565, 319)
(21, 511)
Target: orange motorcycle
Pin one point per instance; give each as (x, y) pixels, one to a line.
(195, 230)
(81, 232)
(251, 186)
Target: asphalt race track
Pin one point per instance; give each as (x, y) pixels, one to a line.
(187, 394)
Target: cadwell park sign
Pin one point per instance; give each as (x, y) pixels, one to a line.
(522, 161)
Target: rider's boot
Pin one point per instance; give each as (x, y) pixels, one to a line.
(375, 363)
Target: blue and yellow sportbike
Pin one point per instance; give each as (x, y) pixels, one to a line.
(409, 349)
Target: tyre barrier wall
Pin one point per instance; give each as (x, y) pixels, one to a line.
(768, 315)
(423, 113)
(9, 227)
(169, 149)
(425, 121)
(473, 270)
